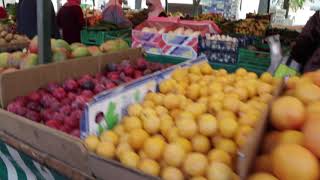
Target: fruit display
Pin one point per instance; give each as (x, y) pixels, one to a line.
(18, 60)
(60, 105)
(256, 27)
(193, 127)
(92, 17)
(137, 17)
(217, 18)
(290, 149)
(9, 36)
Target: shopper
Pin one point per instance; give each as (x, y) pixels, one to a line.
(70, 19)
(306, 51)
(155, 8)
(3, 13)
(27, 18)
(113, 13)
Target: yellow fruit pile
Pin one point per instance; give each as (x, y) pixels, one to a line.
(292, 150)
(193, 127)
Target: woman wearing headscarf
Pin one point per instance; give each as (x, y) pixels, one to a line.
(113, 13)
(70, 19)
(27, 18)
(306, 51)
(155, 8)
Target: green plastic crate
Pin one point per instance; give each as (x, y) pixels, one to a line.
(91, 36)
(229, 67)
(255, 61)
(164, 59)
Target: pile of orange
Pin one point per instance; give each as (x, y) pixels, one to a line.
(292, 150)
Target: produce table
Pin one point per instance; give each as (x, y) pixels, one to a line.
(17, 165)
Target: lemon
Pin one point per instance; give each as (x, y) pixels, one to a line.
(91, 142)
(214, 107)
(264, 88)
(166, 86)
(166, 123)
(179, 74)
(221, 115)
(121, 148)
(134, 109)
(130, 159)
(217, 155)
(231, 104)
(160, 110)
(249, 119)
(242, 135)
(217, 170)
(218, 96)
(243, 93)
(205, 68)
(174, 155)
(196, 109)
(193, 91)
(154, 147)
(151, 124)
(137, 138)
(195, 164)
(109, 136)
(105, 149)
(124, 138)
(184, 143)
(200, 143)
(187, 128)
(175, 113)
(149, 166)
(228, 127)
(266, 77)
(170, 101)
(252, 75)
(215, 87)
(172, 134)
(185, 115)
(119, 130)
(227, 145)
(208, 124)
(131, 123)
(171, 173)
(241, 72)
(195, 69)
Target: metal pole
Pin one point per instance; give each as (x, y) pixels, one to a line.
(4, 5)
(44, 30)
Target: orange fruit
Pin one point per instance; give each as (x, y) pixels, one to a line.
(200, 143)
(287, 113)
(137, 137)
(307, 92)
(174, 155)
(171, 173)
(130, 159)
(91, 142)
(149, 166)
(294, 162)
(311, 132)
(291, 137)
(262, 176)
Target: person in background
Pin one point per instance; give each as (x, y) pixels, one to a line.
(3, 13)
(27, 19)
(155, 8)
(113, 13)
(306, 50)
(71, 20)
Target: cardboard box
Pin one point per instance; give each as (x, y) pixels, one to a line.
(104, 168)
(56, 144)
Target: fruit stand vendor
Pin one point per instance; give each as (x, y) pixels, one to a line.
(70, 19)
(113, 13)
(306, 51)
(155, 8)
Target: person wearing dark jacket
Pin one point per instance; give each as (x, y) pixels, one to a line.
(27, 18)
(306, 51)
(70, 19)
